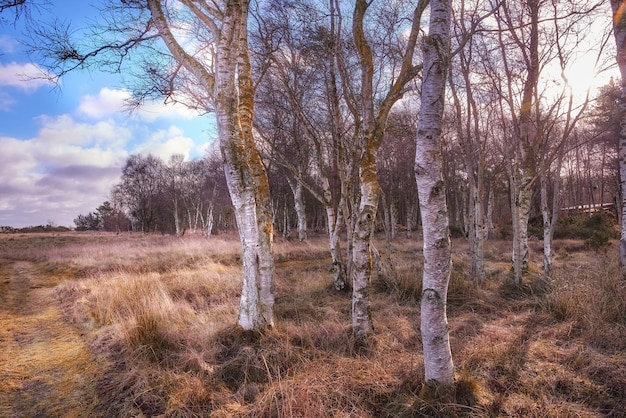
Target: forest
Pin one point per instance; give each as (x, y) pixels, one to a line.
(376, 125)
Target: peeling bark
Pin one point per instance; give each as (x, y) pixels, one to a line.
(245, 174)
(298, 197)
(438, 366)
(619, 32)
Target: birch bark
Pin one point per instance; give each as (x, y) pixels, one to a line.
(298, 197)
(619, 32)
(373, 120)
(245, 173)
(550, 214)
(231, 89)
(438, 366)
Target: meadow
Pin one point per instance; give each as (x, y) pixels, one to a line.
(144, 325)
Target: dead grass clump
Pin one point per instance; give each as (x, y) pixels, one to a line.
(312, 249)
(333, 387)
(497, 250)
(319, 340)
(461, 289)
(595, 299)
(405, 284)
(207, 285)
(534, 285)
(149, 321)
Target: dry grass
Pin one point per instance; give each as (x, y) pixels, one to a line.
(160, 312)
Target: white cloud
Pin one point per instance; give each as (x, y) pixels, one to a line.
(109, 102)
(68, 168)
(165, 143)
(28, 77)
(154, 110)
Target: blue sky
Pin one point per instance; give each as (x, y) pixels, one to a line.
(62, 147)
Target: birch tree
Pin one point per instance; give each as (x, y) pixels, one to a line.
(438, 365)
(194, 52)
(467, 126)
(619, 32)
(373, 119)
(303, 122)
(530, 97)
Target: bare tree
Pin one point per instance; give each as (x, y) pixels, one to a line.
(619, 32)
(374, 109)
(195, 52)
(438, 365)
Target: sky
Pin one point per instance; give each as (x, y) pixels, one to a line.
(62, 146)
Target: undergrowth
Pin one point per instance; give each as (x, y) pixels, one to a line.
(162, 312)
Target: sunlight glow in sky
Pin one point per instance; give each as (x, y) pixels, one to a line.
(62, 149)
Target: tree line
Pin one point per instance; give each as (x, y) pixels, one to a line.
(371, 113)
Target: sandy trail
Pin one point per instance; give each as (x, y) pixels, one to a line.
(46, 369)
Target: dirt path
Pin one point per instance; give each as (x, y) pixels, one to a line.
(46, 369)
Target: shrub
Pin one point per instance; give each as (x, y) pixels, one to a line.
(598, 228)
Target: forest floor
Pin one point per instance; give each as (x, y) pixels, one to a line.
(46, 366)
(140, 325)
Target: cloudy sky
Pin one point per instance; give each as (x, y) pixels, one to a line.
(63, 147)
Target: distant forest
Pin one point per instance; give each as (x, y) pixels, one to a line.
(178, 196)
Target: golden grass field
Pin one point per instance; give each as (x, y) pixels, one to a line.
(102, 325)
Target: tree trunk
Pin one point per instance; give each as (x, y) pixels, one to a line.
(177, 218)
(490, 227)
(361, 253)
(410, 213)
(334, 228)
(298, 197)
(520, 211)
(619, 31)
(480, 226)
(438, 366)
(286, 223)
(232, 92)
(525, 149)
(393, 215)
(209, 220)
(548, 228)
(245, 173)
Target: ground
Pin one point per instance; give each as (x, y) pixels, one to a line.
(143, 325)
(46, 367)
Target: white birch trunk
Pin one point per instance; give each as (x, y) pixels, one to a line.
(286, 223)
(438, 366)
(520, 212)
(480, 229)
(476, 233)
(374, 114)
(393, 212)
(245, 174)
(361, 253)
(300, 207)
(524, 147)
(232, 92)
(524, 199)
(209, 221)
(548, 228)
(176, 218)
(339, 269)
(619, 32)
(490, 227)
